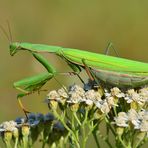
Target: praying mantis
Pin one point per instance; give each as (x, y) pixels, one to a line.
(100, 68)
(110, 70)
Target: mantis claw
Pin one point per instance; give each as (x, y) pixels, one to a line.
(22, 107)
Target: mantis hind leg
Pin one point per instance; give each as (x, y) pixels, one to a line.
(93, 80)
(110, 46)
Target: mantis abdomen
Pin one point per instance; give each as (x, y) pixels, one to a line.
(120, 79)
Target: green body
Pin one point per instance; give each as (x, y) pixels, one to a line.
(111, 70)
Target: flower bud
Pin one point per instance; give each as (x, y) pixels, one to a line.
(16, 133)
(25, 130)
(53, 104)
(74, 107)
(120, 130)
(7, 136)
(134, 105)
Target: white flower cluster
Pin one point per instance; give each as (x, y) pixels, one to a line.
(141, 97)
(8, 126)
(138, 119)
(77, 94)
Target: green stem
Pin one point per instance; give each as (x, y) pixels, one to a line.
(93, 129)
(83, 136)
(108, 143)
(62, 121)
(114, 109)
(107, 136)
(16, 142)
(122, 142)
(96, 139)
(77, 119)
(25, 141)
(106, 119)
(8, 144)
(73, 123)
(44, 143)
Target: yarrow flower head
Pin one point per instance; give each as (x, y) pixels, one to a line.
(133, 117)
(76, 93)
(132, 96)
(92, 96)
(53, 95)
(139, 120)
(122, 119)
(77, 108)
(8, 126)
(117, 92)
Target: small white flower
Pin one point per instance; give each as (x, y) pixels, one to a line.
(74, 98)
(121, 120)
(132, 95)
(103, 106)
(117, 92)
(89, 102)
(53, 95)
(143, 115)
(63, 93)
(92, 96)
(8, 126)
(77, 89)
(134, 118)
(110, 101)
(77, 94)
(144, 94)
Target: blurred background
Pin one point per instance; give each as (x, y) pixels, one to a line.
(83, 24)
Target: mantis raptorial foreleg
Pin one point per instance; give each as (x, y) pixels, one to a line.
(34, 83)
(30, 85)
(49, 68)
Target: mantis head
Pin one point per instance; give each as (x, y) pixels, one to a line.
(14, 48)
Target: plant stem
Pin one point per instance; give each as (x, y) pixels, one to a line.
(25, 141)
(8, 145)
(106, 119)
(76, 117)
(16, 142)
(96, 139)
(122, 142)
(63, 122)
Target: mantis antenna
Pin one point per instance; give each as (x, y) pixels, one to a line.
(9, 29)
(8, 37)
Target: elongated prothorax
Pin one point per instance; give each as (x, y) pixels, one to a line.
(14, 47)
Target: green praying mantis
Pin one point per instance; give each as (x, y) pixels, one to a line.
(100, 68)
(110, 70)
